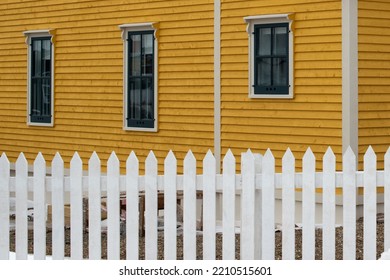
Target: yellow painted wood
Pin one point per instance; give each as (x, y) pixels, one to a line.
(374, 77)
(89, 77)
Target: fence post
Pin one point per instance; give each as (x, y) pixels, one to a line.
(170, 205)
(369, 225)
(288, 206)
(113, 216)
(94, 207)
(58, 208)
(228, 206)
(189, 209)
(151, 207)
(40, 210)
(247, 239)
(329, 206)
(132, 208)
(209, 206)
(308, 206)
(4, 206)
(21, 237)
(387, 201)
(349, 205)
(268, 205)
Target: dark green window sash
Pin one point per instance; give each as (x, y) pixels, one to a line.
(271, 59)
(140, 81)
(40, 80)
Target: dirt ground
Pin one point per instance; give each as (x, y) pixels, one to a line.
(278, 247)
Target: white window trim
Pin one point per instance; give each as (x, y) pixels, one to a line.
(29, 35)
(126, 28)
(269, 19)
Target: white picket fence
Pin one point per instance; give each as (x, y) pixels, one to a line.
(256, 185)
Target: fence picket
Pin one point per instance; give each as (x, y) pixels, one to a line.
(248, 207)
(268, 205)
(76, 207)
(132, 207)
(113, 215)
(308, 206)
(258, 209)
(189, 208)
(228, 206)
(387, 202)
(40, 210)
(369, 243)
(349, 205)
(209, 206)
(329, 206)
(288, 206)
(256, 186)
(151, 207)
(21, 229)
(4, 207)
(58, 221)
(94, 207)
(170, 202)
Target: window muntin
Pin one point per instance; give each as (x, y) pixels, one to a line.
(140, 89)
(40, 80)
(271, 59)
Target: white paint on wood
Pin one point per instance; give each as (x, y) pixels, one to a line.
(4, 206)
(58, 220)
(40, 209)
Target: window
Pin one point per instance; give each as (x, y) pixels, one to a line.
(271, 55)
(140, 77)
(40, 78)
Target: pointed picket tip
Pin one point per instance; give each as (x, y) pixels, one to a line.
(113, 158)
(288, 155)
(39, 158)
(248, 155)
(21, 159)
(151, 157)
(387, 155)
(209, 156)
(329, 154)
(94, 158)
(189, 158)
(309, 155)
(76, 159)
(4, 158)
(229, 154)
(349, 153)
(57, 157)
(268, 155)
(170, 157)
(132, 159)
(370, 153)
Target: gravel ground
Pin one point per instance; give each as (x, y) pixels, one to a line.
(278, 247)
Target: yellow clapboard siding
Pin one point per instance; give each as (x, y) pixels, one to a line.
(88, 106)
(313, 116)
(374, 76)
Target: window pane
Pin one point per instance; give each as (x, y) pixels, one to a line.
(135, 55)
(264, 72)
(280, 73)
(147, 51)
(147, 99)
(134, 99)
(46, 96)
(264, 43)
(46, 58)
(36, 58)
(280, 41)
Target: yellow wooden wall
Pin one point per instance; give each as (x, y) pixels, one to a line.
(374, 76)
(89, 78)
(313, 117)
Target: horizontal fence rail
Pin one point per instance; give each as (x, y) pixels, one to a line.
(256, 188)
